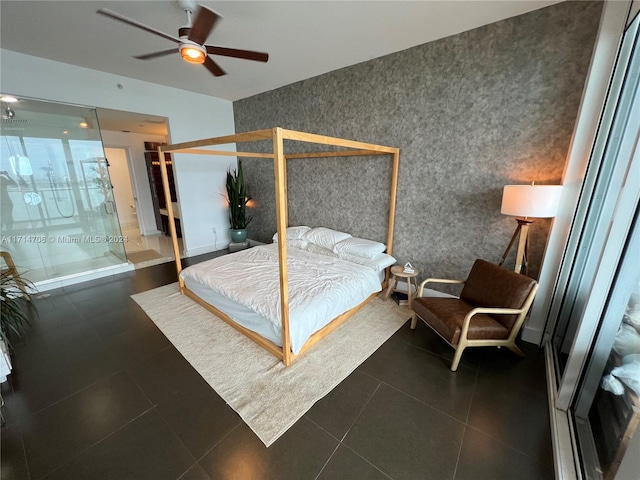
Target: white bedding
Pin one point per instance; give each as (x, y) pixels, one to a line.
(320, 287)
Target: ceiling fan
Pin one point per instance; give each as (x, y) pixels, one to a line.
(191, 39)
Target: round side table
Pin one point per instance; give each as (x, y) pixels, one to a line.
(398, 271)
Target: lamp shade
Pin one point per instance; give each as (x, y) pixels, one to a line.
(538, 201)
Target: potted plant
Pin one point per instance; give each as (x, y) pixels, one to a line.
(238, 199)
(14, 318)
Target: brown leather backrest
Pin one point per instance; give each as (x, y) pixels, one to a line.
(489, 285)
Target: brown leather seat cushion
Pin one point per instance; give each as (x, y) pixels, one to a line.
(446, 315)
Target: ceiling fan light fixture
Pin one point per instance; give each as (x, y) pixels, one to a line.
(193, 53)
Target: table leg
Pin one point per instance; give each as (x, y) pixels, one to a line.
(392, 281)
(409, 291)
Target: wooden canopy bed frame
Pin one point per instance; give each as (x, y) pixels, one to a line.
(277, 135)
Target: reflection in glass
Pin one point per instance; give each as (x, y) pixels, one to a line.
(607, 406)
(58, 212)
(615, 411)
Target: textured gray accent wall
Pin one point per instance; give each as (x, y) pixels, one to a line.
(471, 113)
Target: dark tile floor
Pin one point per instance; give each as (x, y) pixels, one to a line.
(99, 393)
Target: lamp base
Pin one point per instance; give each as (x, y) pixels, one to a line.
(522, 255)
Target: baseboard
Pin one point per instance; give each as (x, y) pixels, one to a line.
(213, 247)
(532, 335)
(68, 280)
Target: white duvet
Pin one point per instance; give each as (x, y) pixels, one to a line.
(320, 287)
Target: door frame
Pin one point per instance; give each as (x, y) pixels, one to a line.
(132, 179)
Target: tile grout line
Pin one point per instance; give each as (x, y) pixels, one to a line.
(360, 412)
(354, 422)
(197, 460)
(344, 444)
(478, 375)
(475, 369)
(455, 470)
(24, 451)
(473, 394)
(171, 429)
(37, 412)
(220, 441)
(139, 387)
(374, 466)
(417, 399)
(328, 460)
(466, 423)
(508, 446)
(97, 442)
(151, 407)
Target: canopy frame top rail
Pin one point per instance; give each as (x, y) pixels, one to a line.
(277, 135)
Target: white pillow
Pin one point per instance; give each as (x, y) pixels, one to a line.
(325, 237)
(321, 250)
(301, 244)
(627, 341)
(378, 263)
(629, 372)
(360, 247)
(293, 233)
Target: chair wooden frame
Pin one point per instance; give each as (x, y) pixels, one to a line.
(277, 136)
(464, 342)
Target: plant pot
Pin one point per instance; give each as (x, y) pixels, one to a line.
(238, 236)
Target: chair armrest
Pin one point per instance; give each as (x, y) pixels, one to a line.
(436, 280)
(495, 311)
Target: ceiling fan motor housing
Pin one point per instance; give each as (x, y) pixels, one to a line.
(184, 32)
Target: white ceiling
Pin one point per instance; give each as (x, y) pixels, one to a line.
(303, 38)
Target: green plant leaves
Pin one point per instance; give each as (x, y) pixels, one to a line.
(14, 317)
(238, 198)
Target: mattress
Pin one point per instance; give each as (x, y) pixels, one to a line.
(246, 286)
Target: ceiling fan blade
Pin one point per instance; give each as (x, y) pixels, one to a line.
(233, 52)
(213, 67)
(202, 25)
(123, 19)
(149, 56)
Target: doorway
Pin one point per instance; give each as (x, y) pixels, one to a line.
(142, 250)
(125, 136)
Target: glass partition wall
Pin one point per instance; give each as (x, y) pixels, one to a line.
(58, 211)
(594, 343)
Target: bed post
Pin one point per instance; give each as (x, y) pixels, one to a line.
(392, 205)
(172, 223)
(280, 169)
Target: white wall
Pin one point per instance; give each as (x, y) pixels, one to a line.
(134, 144)
(190, 116)
(120, 177)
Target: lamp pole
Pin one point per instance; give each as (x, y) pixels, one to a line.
(522, 254)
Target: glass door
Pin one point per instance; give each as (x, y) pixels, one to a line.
(58, 212)
(608, 175)
(607, 406)
(595, 389)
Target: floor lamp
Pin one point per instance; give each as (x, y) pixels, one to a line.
(526, 202)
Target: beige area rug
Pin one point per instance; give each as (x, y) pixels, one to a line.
(143, 256)
(268, 396)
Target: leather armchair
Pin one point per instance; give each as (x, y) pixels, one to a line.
(489, 312)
